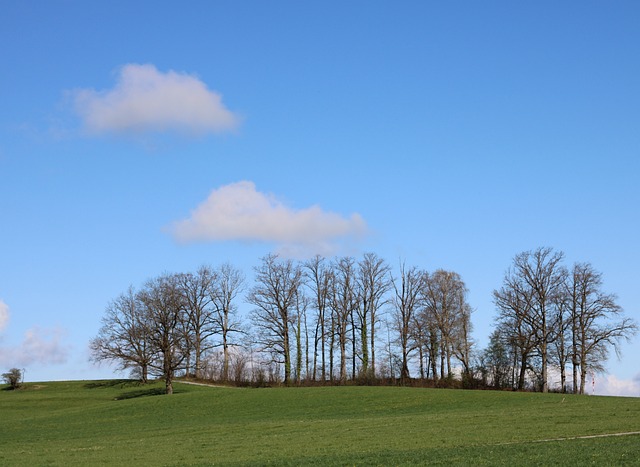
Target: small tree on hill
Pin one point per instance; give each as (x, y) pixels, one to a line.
(13, 378)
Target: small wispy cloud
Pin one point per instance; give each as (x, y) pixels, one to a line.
(4, 315)
(39, 346)
(611, 385)
(239, 212)
(147, 100)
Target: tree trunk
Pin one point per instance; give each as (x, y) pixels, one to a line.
(287, 357)
(373, 347)
(523, 371)
(144, 370)
(225, 358)
(298, 352)
(168, 383)
(343, 357)
(545, 384)
(365, 350)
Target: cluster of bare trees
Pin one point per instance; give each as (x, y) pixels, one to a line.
(171, 323)
(432, 317)
(334, 320)
(552, 317)
(320, 318)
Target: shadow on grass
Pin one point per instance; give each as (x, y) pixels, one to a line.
(143, 388)
(141, 393)
(113, 383)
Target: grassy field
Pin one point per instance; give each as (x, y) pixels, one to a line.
(123, 423)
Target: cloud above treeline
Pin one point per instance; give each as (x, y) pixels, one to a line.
(146, 100)
(239, 212)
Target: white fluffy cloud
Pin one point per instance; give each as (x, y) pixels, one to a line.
(4, 315)
(239, 212)
(147, 100)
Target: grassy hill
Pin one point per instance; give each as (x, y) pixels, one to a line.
(123, 423)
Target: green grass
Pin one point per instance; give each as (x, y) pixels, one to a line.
(123, 423)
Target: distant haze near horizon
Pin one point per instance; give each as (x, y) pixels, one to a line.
(138, 139)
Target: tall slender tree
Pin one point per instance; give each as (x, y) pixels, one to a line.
(223, 292)
(517, 323)
(406, 303)
(446, 309)
(196, 292)
(373, 283)
(344, 303)
(274, 294)
(319, 280)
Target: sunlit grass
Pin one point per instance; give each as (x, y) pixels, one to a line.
(123, 423)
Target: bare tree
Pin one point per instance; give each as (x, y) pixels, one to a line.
(406, 302)
(344, 302)
(300, 332)
(561, 345)
(125, 335)
(516, 320)
(320, 279)
(462, 343)
(274, 295)
(597, 323)
(373, 282)
(165, 310)
(533, 284)
(223, 292)
(195, 289)
(446, 309)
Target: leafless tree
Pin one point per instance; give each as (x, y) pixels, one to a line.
(344, 303)
(165, 310)
(406, 303)
(561, 345)
(274, 294)
(462, 344)
(514, 302)
(373, 283)
(300, 332)
(597, 323)
(125, 335)
(196, 290)
(223, 291)
(446, 310)
(530, 296)
(319, 281)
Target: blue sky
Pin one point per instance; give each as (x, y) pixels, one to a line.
(448, 135)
